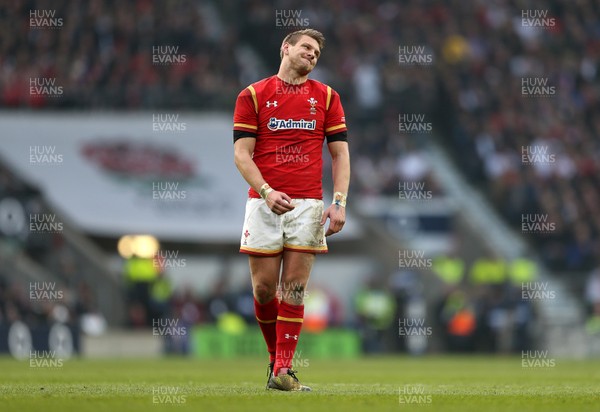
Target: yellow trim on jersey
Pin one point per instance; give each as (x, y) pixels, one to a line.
(266, 321)
(332, 128)
(247, 126)
(328, 98)
(297, 320)
(253, 97)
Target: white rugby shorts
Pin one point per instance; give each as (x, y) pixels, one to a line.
(268, 234)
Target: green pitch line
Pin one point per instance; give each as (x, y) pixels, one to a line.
(372, 384)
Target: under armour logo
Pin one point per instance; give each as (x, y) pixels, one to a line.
(273, 103)
(288, 336)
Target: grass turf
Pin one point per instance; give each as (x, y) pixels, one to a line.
(370, 384)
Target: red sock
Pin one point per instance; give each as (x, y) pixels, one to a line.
(266, 315)
(289, 324)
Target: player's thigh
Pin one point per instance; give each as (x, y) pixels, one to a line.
(296, 267)
(265, 271)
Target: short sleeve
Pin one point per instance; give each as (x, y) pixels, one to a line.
(335, 119)
(245, 115)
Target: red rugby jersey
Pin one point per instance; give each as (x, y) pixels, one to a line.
(290, 123)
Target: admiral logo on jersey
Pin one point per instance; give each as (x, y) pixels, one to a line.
(280, 124)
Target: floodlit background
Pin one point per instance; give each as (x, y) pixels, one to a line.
(473, 213)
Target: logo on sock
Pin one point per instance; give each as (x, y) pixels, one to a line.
(288, 336)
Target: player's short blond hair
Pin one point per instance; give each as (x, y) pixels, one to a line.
(293, 38)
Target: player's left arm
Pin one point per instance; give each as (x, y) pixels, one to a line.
(340, 161)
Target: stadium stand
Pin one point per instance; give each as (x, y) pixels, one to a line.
(471, 90)
(103, 58)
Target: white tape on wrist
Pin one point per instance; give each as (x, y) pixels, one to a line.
(339, 199)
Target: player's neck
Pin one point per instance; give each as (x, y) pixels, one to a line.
(288, 75)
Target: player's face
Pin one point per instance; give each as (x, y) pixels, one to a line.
(304, 54)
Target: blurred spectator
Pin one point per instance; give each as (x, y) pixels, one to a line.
(592, 290)
(140, 274)
(375, 308)
(458, 319)
(322, 309)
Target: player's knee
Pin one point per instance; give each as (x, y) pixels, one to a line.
(264, 293)
(293, 290)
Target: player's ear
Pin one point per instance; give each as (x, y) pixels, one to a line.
(284, 49)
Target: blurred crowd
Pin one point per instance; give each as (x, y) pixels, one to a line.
(485, 305)
(103, 55)
(493, 125)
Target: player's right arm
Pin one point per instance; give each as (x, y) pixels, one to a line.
(278, 202)
(245, 128)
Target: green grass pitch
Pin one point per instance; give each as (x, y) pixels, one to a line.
(432, 383)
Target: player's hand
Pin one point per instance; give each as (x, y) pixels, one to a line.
(279, 202)
(337, 218)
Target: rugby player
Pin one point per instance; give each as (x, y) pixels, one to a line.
(280, 124)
